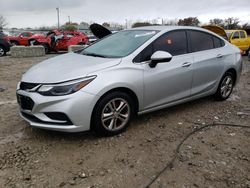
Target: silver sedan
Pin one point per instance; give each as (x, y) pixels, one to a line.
(127, 73)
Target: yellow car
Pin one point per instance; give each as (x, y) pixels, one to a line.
(239, 38)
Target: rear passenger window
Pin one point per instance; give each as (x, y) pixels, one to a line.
(218, 42)
(174, 42)
(200, 41)
(242, 34)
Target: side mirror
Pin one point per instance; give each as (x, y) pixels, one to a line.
(160, 57)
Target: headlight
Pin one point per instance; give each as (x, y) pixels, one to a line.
(65, 88)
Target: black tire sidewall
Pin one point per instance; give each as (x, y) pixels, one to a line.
(46, 48)
(96, 123)
(218, 95)
(4, 51)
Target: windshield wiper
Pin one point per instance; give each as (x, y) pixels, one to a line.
(95, 55)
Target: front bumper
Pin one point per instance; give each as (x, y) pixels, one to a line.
(69, 113)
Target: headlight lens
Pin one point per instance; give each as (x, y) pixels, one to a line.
(65, 88)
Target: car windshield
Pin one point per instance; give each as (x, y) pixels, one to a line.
(229, 33)
(119, 44)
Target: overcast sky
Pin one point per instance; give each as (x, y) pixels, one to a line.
(30, 13)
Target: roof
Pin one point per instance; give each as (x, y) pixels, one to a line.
(166, 28)
(233, 30)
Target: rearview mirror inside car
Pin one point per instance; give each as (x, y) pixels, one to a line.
(160, 57)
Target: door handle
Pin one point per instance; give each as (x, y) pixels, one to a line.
(219, 56)
(187, 64)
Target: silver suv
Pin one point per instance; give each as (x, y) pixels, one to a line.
(127, 73)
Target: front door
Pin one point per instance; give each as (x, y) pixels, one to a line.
(168, 81)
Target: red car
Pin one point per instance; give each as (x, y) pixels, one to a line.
(57, 40)
(23, 38)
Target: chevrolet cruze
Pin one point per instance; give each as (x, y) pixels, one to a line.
(127, 73)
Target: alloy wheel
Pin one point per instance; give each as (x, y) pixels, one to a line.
(115, 114)
(226, 86)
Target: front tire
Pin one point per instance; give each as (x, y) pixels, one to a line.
(112, 114)
(225, 87)
(2, 51)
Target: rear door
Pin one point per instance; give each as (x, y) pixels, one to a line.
(209, 58)
(168, 81)
(235, 39)
(244, 44)
(23, 38)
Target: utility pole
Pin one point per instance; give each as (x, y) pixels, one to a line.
(126, 23)
(58, 20)
(69, 19)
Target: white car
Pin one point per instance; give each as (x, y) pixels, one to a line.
(127, 73)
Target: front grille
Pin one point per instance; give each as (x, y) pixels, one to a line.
(27, 86)
(26, 103)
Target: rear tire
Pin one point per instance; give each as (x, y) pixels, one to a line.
(225, 87)
(14, 43)
(112, 114)
(32, 42)
(247, 52)
(46, 48)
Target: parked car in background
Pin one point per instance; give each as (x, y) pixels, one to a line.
(127, 73)
(4, 44)
(21, 39)
(217, 29)
(57, 40)
(240, 39)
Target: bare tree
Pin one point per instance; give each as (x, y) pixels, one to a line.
(218, 22)
(106, 24)
(232, 23)
(245, 26)
(190, 21)
(3, 21)
(141, 24)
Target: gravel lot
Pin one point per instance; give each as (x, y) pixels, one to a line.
(217, 156)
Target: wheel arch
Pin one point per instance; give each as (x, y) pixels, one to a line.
(126, 90)
(234, 73)
(15, 41)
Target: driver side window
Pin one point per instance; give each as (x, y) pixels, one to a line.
(236, 35)
(174, 42)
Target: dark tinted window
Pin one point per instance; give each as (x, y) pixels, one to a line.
(236, 35)
(25, 34)
(218, 42)
(200, 41)
(242, 34)
(174, 42)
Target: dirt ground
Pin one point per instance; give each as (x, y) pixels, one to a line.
(214, 157)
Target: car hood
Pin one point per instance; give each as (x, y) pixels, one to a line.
(66, 67)
(216, 29)
(99, 31)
